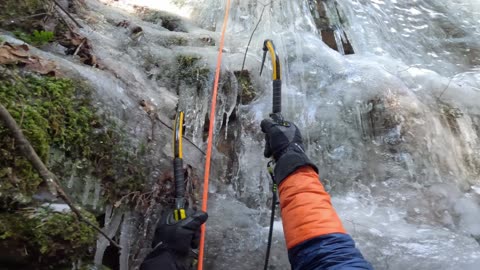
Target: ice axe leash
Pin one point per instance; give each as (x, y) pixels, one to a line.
(276, 116)
(179, 175)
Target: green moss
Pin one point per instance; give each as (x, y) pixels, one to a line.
(58, 119)
(56, 114)
(245, 86)
(178, 41)
(165, 19)
(451, 114)
(187, 61)
(189, 70)
(51, 239)
(25, 18)
(12, 8)
(179, 3)
(50, 115)
(20, 11)
(121, 169)
(37, 38)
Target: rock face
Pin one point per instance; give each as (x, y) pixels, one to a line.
(68, 133)
(77, 134)
(331, 34)
(44, 237)
(328, 36)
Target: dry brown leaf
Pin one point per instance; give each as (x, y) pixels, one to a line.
(6, 57)
(147, 106)
(124, 24)
(24, 46)
(11, 54)
(117, 204)
(79, 46)
(19, 54)
(42, 66)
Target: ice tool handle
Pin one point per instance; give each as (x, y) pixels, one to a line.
(179, 211)
(277, 80)
(276, 116)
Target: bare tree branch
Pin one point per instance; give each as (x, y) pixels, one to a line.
(29, 153)
(251, 36)
(68, 14)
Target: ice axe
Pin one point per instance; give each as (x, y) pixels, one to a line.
(276, 116)
(179, 176)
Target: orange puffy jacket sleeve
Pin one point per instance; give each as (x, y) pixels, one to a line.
(307, 211)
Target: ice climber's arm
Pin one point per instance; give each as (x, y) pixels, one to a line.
(314, 234)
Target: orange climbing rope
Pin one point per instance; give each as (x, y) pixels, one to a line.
(210, 134)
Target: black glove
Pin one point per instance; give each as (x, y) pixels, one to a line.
(284, 142)
(179, 236)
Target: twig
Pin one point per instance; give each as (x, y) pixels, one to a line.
(29, 153)
(65, 22)
(251, 36)
(25, 17)
(148, 228)
(51, 11)
(68, 14)
(444, 90)
(80, 46)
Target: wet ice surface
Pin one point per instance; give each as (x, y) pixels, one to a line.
(433, 34)
(393, 128)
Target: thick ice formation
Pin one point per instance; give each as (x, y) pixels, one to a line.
(393, 128)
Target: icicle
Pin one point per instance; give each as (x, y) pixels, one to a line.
(338, 33)
(231, 102)
(110, 228)
(70, 181)
(125, 239)
(79, 264)
(96, 197)
(108, 214)
(86, 191)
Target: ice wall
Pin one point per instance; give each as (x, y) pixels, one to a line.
(394, 128)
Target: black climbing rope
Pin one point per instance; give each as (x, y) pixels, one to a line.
(272, 217)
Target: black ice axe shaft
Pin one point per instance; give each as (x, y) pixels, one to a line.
(179, 211)
(276, 115)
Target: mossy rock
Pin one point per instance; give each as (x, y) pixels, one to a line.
(165, 19)
(177, 41)
(29, 20)
(44, 239)
(19, 11)
(451, 114)
(57, 116)
(190, 71)
(51, 113)
(245, 87)
(37, 38)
